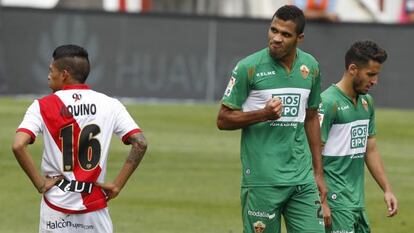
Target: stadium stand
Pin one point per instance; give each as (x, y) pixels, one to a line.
(381, 11)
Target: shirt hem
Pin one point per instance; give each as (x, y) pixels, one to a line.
(95, 207)
(231, 106)
(346, 208)
(279, 184)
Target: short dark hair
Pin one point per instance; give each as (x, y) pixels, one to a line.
(74, 59)
(292, 13)
(361, 52)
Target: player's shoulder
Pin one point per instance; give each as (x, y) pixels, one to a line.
(368, 98)
(104, 98)
(329, 96)
(331, 90)
(46, 97)
(100, 94)
(254, 59)
(308, 61)
(248, 64)
(46, 100)
(307, 57)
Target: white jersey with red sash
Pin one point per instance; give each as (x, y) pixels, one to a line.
(77, 125)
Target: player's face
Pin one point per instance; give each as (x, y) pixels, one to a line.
(55, 78)
(283, 38)
(366, 77)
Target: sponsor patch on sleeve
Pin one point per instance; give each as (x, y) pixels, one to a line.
(230, 86)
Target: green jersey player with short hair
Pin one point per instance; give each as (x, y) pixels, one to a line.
(273, 96)
(348, 128)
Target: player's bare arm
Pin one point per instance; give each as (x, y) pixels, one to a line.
(326, 210)
(19, 147)
(138, 149)
(230, 119)
(313, 133)
(376, 168)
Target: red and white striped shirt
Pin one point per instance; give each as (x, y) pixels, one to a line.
(77, 124)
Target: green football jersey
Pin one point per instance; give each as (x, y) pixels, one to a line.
(275, 152)
(344, 131)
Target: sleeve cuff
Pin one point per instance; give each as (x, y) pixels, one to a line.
(231, 106)
(126, 136)
(31, 134)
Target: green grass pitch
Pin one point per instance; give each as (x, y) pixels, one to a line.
(189, 179)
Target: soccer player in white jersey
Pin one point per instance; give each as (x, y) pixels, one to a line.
(348, 132)
(77, 124)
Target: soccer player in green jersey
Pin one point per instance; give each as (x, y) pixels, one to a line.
(273, 96)
(348, 133)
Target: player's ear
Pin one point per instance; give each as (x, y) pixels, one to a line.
(65, 74)
(353, 69)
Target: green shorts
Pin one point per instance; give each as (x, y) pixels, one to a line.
(355, 221)
(262, 208)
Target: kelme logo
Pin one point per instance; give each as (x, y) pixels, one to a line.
(359, 136)
(290, 104)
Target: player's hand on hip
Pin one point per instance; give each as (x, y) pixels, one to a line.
(110, 189)
(273, 108)
(392, 204)
(48, 183)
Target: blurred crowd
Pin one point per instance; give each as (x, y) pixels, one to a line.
(381, 11)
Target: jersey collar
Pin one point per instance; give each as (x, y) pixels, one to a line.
(296, 61)
(76, 86)
(345, 95)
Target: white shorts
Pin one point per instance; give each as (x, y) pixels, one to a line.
(93, 222)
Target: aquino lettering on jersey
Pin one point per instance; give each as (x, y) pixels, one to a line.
(74, 110)
(78, 110)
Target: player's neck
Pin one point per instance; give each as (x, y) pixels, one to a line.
(71, 82)
(345, 85)
(288, 61)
